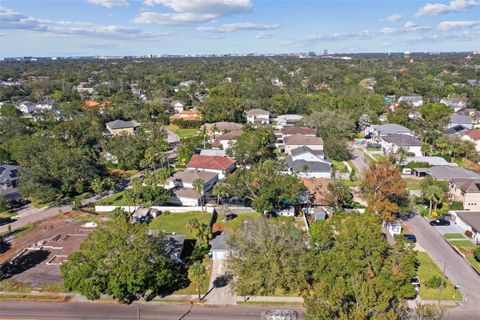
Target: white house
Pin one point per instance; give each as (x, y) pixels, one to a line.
(287, 119)
(177, 106)
(308, 163)
(468, 221)
(387, 129)
(226, 140)
(394, 142)
(461, 120)
(187, 197)
(415, 101)
(472, 136)
(32, 107)
(258, 116)
(455, 103)
(219, 249)
(185, 179)
(298, 140)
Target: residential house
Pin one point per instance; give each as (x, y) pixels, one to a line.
(187, 197)
(288, 119)
(468, 221)
(446, 173)
(174, 245)
(394, 142)
(185, 179)
(455, 130)
(188, 115)
(415, 101)
(221, 127)
(376, 131)
(187, 84)
(219, 165)
(433, 161)
(178, 106)
(122, 128)
(9, 181)
(308, 163)
(456, 104)
(173, 139)
(290, 131)
(226, 140)
(461, 120)
(466, 191)
(213, 152)
(473, 113)
(473, 82)
(258, 116)
(32, 107)
(298, 140)
(219, 249)
(472, 136)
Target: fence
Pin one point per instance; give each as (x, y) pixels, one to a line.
(131, 209)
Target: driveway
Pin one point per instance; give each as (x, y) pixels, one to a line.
(220, 292)
(358, 159)
(457, 269)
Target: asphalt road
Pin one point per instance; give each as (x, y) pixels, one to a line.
(111, 311)
(457, 269)
(358, 159)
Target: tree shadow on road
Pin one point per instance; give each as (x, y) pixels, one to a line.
(4, 246)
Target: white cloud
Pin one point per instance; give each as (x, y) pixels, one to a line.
(192, 11)
(110, 3)
(451, 25)
(14, 20)
(441, 8)
(411, 26)
(232, 27)
(264, 35)
(394, 17)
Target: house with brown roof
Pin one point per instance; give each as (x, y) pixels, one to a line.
(221, 127)
(120, 127)
(188, 115)
(290, 131)
(466, 191)
(299, 140)
(182, 185)
(215, 164)
(472, 136)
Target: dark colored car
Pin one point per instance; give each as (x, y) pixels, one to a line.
(410, 237)
(440, 222)
(6, 221)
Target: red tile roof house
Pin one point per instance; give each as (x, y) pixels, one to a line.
(215, 164)
(472, 136)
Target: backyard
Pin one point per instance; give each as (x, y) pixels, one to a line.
(183, 132)
(428, 269)
(177, 222)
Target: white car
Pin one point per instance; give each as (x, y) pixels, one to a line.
(279, 315)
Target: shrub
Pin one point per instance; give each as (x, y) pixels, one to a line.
(456, 205)
(476, 254)
(435, 282)
(469, 234)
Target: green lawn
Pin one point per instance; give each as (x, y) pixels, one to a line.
(115, 199)
(453, 236)
(176, 222)
(340, 166)
(426, 270)
(350, 162)
(474, 262)
(462, 243)
(237, 223)
(183, 132)
(378, 156)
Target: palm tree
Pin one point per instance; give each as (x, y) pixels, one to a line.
(434, 194)
(221, 191)
(197, 273)
(97, 185)
(198, 186)
(426, 149)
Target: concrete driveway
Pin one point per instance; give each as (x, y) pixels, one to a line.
(220, 292)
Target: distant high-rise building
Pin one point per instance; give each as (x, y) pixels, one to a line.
(311, 53)
(325, 52)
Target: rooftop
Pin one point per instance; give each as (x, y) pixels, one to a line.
(229, 135)
(460, 118)
(448, 172)
(402, 140)
(470, 217)
(257, 112)
(391, 128)
(474, 134)
(120, 124)
(189, 176)
(223, 126)
(434, 161)
(300, 139)
(187, 193)
(220, 242)
(467, 185)
(304, 149)
(308, 166)
(299, 130)
(210, 162)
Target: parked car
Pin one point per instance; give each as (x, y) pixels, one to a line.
(6, 221)
(440, 222)
(410, 237)
(279, 315)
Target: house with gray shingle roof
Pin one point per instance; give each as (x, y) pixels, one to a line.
(121, 127)
(466, 191)
(461, 120)
(394, 142)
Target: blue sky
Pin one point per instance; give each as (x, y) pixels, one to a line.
(137, 27)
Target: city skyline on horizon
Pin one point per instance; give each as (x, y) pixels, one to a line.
(207, 27)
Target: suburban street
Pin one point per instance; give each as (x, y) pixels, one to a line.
(358, 159)
(457, 269)
(114, 311)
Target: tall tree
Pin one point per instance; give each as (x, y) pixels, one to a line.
(381, 186)
(197, 274)
(253, 145)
